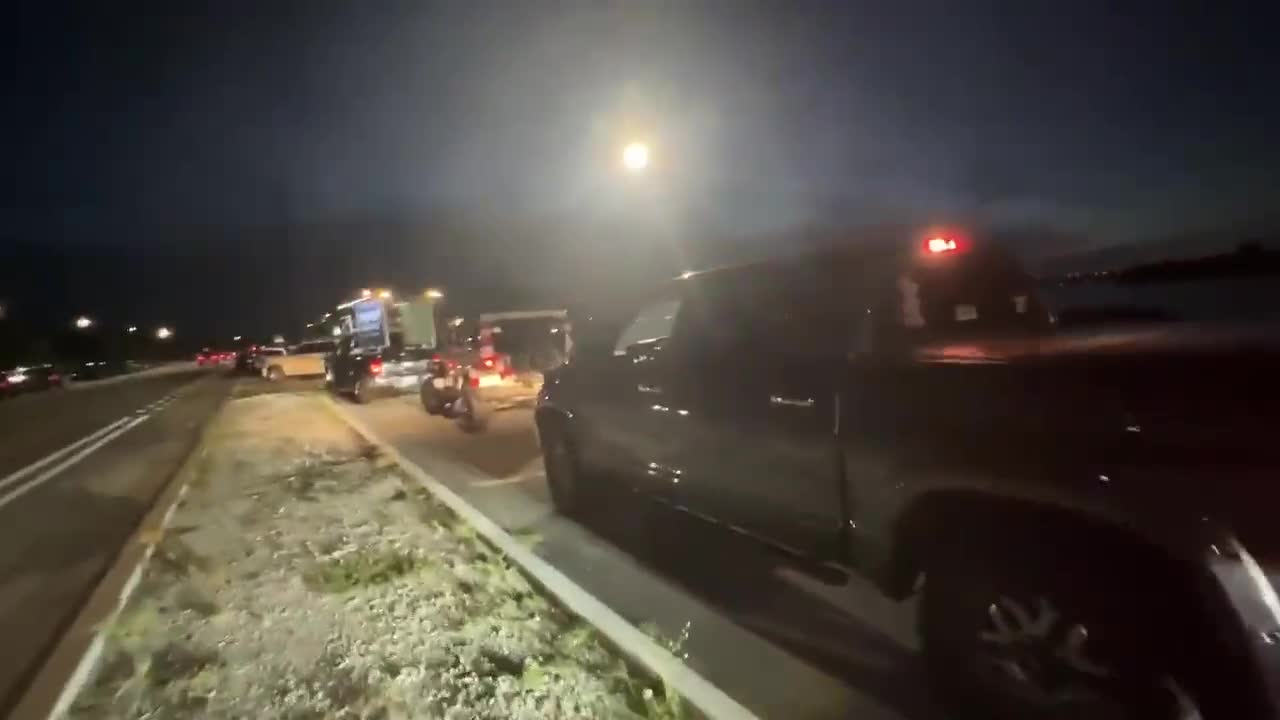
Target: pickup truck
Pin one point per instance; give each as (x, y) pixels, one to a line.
(1090, 521)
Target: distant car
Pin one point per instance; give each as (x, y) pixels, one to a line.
(303, 360)
(34, 378)
(97, 370)
(262, 356)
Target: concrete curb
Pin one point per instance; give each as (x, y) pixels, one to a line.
(698, 691)
(54, 689)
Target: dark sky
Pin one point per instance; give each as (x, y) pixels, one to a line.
(1108, 121)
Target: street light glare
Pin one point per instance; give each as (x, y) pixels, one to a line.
(83, 322)
(163, 333)
(635, 157)
(433, 294)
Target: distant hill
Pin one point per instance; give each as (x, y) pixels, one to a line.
(1181, 246)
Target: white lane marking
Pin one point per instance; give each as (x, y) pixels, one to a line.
(19, 474)
(93, 654)
(44, 476)
(713, 702)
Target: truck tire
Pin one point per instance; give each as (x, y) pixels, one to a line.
(275, 373)
(362, 393)
(1050, 638)
(564, 472)
(433, 401)
(471, 411)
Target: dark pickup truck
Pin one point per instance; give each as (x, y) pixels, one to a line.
(1092, 520)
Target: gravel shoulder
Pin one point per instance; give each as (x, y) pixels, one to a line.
(304, 577)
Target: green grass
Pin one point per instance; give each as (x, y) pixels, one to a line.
(359, 569)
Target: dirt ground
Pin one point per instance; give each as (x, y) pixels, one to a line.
(304, 577)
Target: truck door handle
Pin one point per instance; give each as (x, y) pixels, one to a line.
(783, 401)
(649, 389)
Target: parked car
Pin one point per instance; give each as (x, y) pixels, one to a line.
(32, 378)
(1090, 520)
(303, 360)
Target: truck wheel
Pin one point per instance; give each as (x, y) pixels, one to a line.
(1053, 639)
(275, 373)
(362, 394)
(564, 476)
(471, 411)
(433, 401)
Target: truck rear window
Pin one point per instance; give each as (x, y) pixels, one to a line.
(977, 300)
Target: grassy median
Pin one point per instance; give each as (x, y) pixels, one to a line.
(304, 577)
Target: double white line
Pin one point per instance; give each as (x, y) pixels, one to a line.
(65, 457)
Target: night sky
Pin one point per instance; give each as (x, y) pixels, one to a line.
(295, 151)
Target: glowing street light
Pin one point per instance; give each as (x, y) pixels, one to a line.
(366, 293)
(635, 156)
(84, 322)
(433, 294)
(163, 333)
(131, 329)
(235, 339)
(385, 294)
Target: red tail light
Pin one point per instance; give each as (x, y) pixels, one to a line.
(941, 245)
(487, 362)
(375, 366)
(473, 381)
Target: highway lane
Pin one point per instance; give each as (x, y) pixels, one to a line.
(36, 424)
(62, 524)
(777, 641)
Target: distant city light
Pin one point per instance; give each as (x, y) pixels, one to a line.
(385, 294)
(433, 294)
(131, 329)
(84, 323)
(635, 156)
(235, 339)
(366, 292)
(163, 333)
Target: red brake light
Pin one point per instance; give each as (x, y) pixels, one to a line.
(941, 245)
(375, 366)
(488, 362)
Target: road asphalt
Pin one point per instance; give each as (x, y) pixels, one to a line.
(775, 640)
(63, 522)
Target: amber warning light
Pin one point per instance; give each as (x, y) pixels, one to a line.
(941, 245)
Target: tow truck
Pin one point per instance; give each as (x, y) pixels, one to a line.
(384, 346)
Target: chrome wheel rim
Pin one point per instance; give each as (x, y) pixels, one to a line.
(1046, 660)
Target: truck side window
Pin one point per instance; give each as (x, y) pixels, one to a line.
(780, 312)
(653, 322)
